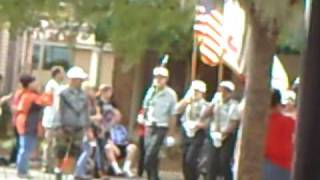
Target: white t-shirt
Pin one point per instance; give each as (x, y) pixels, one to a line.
(50, 119)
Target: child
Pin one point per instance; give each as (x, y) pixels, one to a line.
(119, 146)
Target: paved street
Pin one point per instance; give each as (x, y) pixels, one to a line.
(10, 174)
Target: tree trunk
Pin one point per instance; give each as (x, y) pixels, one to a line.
(262, 45)
(307, 164)
(136, 96)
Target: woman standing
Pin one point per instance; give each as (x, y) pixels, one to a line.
(95, 112)
(27, 122)
(193, 132)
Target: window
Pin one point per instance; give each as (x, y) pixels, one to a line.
(53, 55)
(57, 56)
(36, 57)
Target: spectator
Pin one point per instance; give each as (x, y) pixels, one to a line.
(14, 106)
(105, 104)
(279, 142)
(74, 117)
(119, 146)
(97, 119)
(106, 108)
(95, 112)
(28, 118)
(50, 120)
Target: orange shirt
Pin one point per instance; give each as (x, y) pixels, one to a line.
(26, 100)
(14, 104)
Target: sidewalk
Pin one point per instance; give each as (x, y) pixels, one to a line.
(10, 174)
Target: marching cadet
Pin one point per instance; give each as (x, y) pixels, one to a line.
(193, 131)
(223, 132)
(159, 106)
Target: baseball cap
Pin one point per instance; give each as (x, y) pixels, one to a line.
(161, 71)
(76, 73)
(228, 84)
(199, 86)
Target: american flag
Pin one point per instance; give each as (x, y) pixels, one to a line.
(209, 34)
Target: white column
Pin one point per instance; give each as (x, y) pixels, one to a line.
(93, 72)
(4, 45)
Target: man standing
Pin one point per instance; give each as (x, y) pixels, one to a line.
(223, 132)
(193, 133)
(159, 105)
(74, 117)
(50, 121)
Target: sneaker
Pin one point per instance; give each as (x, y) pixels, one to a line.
(129, 174)
(118, 172)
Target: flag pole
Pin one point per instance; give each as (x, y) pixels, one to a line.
(220, 71)
(221, 67)
(194, 60)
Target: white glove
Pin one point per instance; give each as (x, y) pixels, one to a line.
(217, 139)
(140, 119)
(170, 141)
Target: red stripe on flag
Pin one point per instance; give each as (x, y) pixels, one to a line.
(210, 26)
(207, 61)
(213, 16)
(211, 49)
(231, 45)
(211, 38)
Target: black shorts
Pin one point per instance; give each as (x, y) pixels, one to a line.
(123, 150)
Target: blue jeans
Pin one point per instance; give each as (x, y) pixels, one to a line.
(27, 144)
(272, 171)
(88, 153)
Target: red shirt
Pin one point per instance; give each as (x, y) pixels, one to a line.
(279, 140)
(141, 128)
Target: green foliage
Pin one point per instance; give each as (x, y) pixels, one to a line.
(138, 26)
(292, 36)
(135, 26)
(286, 17)
(26, 13)
(132, 26)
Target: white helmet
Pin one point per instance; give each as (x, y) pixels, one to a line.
(199, 86)
(161, 71)
(228, 84)
(76, 73)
